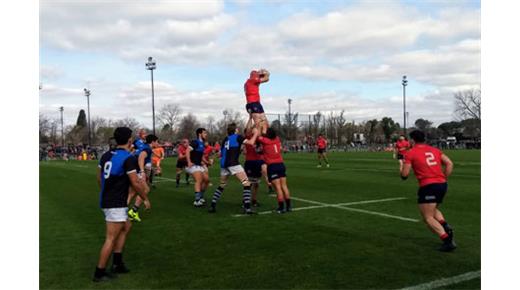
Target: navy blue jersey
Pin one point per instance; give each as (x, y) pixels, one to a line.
(115, 166)
(197, 150)
(231, 150)
(146, 148)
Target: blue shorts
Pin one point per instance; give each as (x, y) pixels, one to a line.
(275, 171)
(254, 108)
(432, 193)
(253, 168)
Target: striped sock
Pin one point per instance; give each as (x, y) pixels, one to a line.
(247, 196)
(217, 194)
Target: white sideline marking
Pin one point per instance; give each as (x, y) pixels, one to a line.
(445, 281)
(343, 206)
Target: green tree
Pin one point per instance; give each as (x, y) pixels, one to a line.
(389, 127)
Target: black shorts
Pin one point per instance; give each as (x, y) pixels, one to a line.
(254, 108)
(253, 168)
(182, 164)
(432, 193)
(400, 156)
(322, 150)
(275, 171)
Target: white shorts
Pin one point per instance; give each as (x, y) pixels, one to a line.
(116, 214)
(232, 170)
(195, 168)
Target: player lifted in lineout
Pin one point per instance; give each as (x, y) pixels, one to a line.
(252, 91)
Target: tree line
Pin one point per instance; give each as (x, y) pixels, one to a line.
(174, 125)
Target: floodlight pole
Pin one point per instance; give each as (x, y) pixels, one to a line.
(404, 83)
(62, 139)
(289, 101)
(87, 94)
(150, 65)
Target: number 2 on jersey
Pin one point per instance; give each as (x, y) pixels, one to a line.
(430, 159)
(107, 168)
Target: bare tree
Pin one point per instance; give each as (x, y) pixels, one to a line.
(44, 124)
(187, 127)
(169, 115)
(467, 104)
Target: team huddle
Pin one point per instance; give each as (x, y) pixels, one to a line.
(125, 174)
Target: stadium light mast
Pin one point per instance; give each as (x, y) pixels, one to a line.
(62, 139)
(150, 65)
(405, 83)
(289, 101)
(225, 112)
(87, 94)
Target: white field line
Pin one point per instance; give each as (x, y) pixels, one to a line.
(397, 172)
(343, 206)
(163, 178)
(445, 281)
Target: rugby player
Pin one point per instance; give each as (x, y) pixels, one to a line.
(275, 168)
(144, 160)
(230, 165)
(117, 172)
(252, 92)
(401, 147)
(426, 162)
(181, 162)
(253, 165)
(195, 167)
(157, 157)
(321, 143)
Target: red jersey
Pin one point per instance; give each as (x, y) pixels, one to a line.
(402, 146)
(207, 151)
(322, 143)
(272, 150)
(251, 153)
(182, 150)
(217, 147)
(426, 163)
(252, 90)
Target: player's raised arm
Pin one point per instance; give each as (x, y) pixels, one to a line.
(448, 165)
(264, 75)
(141, 160)
(252, 140)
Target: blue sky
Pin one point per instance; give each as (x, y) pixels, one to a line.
(325, 55)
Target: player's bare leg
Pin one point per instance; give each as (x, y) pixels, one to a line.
(286, 193)
(199, 180)
(279, 195)
(112, 232)
(218, 193)
(428, 214)
(117, 262)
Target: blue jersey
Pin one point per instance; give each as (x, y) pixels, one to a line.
(115, 167)
(197, 150)
(138, 145)
(146, 148)
(231, 150)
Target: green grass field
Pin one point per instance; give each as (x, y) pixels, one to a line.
(380, 244)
